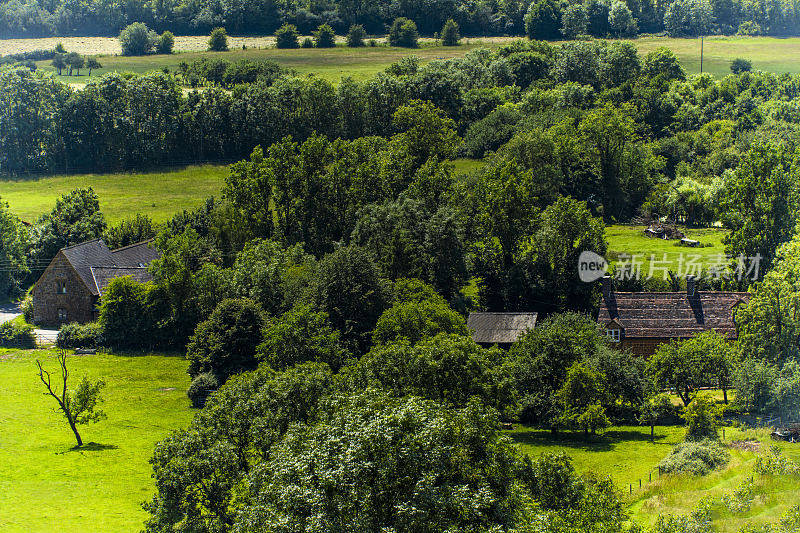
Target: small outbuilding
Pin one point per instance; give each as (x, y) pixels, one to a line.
(502, 329)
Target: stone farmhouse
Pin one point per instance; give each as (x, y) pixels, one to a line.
(73, 283)
(642, 321)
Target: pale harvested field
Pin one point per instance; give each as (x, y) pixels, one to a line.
(106, 46)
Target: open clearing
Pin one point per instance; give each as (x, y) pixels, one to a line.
(46, 485)
(157, 194)
(766, 53)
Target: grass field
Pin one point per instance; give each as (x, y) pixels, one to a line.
(158, 194)
(766, 53)
(47, 486)
(626, 454)
(630, 239)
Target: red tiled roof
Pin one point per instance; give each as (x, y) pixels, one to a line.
(670, 315)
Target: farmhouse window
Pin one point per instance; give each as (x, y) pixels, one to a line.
(613, 335)
(61, 287)
(62, 314)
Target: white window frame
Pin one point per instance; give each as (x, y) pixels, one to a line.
(62, 314)
(613, 334)
(61, 287)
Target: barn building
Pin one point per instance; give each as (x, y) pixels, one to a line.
(73, 283)
(641, 321)
(501, 329)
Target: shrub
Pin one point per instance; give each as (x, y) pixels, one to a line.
(450, 36)
(287, 36)
(308, 42)
(218, 41)
(17, 334)
(137, 39)
(74, 335)
(702, 418)
(749, 27)
(740, 65)
(165, 43)
(741, 498)
(698, 458)
(201, 388)
(775, 463)
(355, 37)
(325, 37)
(225, 344)
(27, 308)
(403, 33)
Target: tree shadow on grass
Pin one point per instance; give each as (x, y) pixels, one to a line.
(93, 447)
(601, 442)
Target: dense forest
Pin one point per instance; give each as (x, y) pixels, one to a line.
(543, 19)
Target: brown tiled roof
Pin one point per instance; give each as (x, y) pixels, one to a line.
(91, 257)
(671, 315)
(103, 275)
(140, 254)
(499, 328)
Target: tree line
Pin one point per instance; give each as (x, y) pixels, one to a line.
(541, 18)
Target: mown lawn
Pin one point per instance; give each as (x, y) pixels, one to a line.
(631, 240)
(158, 194)
(48, 486)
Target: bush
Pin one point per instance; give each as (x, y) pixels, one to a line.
(450, 36)
(165, 43)
(74, 335)
(325, 37)
(218, 41)
(403, 33)
(287, 36)
(740, 65)
(225, 344)
(355, 37)
(27, 308)
(137, 39)
(17, 334)
(698, 458)
(201, 388)
(308, 42)
(702, 418)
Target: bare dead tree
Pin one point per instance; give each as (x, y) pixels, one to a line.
(79, 407)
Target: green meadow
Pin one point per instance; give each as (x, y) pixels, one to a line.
(49, 486)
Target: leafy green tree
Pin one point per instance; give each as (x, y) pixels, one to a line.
(581, 396)
(75, 62)
(740, 65)
(59, 63)
(759, 202)
(218, 41)
(684, 366)
(287, 37)
(349, 289)
(574, 21)
(301, 335)
(754, 381)
(450, 35)
(653, 410)
(76, 218)
(225, 344)
(92, 64)
(128, 314)
(324, 37)
(702, 418)
(13, 256)
(414, 321)
(137, 39)
(621, 20)
(165, 43)
(356, 35)
(129, 231)
(403, 33)
(78, 407)
(543, 20)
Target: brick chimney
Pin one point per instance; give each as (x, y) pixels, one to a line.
(608, 287)
(691, 286)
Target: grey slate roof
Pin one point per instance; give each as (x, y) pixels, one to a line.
(97, 265)
(103, 275)
(140, 254)
(499, 328)
(671, 315)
